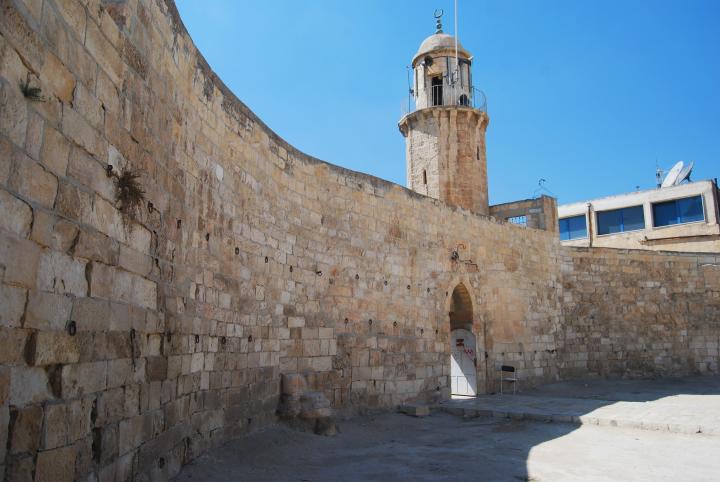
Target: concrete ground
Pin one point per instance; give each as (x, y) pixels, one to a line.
(475, 446)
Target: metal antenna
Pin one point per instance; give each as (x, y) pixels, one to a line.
(411, 91)
(457, 64)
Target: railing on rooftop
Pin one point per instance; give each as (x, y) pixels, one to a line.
(444, 95)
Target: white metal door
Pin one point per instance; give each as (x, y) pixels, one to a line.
(463, 375)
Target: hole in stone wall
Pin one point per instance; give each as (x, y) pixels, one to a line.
(291, 269)
(370, 322)
(250, 339)
(394, 323)
(437, 331)
(385, 282)
(477, 153)
(179, 223)
(428, 290)
(346, 321)
(109, 170)
(197, 338)
(422, 331)
(207, 236)
(223, 340)
(161, 462)
(266, 259)
(237, 250)
(72, 328)
(151, 206)
(357, 276)
(424, 177)
(168, 335)
(408, 286)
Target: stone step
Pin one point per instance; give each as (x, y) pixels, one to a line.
(522, 412)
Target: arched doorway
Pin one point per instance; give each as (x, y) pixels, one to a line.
(463, 347)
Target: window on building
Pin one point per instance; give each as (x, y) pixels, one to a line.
(573, 227)
(519, 220)
(621, 220)
(678, 211)
(437, 90)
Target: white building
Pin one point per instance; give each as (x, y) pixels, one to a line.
(676, 218)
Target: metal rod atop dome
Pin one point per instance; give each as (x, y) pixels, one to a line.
(438, 20)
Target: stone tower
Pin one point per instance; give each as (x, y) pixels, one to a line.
(445, 132)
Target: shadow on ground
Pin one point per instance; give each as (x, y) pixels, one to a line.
(525, 437)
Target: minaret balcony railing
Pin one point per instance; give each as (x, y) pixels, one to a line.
(446, 95)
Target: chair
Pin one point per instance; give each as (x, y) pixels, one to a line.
(507, 374)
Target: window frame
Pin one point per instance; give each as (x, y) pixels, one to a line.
(519, 217)
(675, 200)
(622, 220)
(584, 216)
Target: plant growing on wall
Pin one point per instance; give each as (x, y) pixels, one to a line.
(31, 93)
(129, 194)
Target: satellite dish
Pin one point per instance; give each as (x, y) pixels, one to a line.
(684, 173)
(672, 175)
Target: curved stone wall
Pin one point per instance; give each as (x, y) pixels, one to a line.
(134, 339)
(137, 341)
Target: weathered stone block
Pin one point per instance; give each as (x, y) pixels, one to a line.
(131, 433)
(51, 348)
(4, 430)
(90, 173)
(156, 368)
(20, 258)
(29, 385)
(57, 465)
(32, 181)
(79, 413)
(12, 341)
(83, 378)
(51, 232)
(97, 247)
(120, 285)
(61, 274)
(55, 152)
(73, 202)
(135, 261)
(110, 407)
(55, 426)
(15, 215)
(12, 305)
(83, 134)
(25, 429)
(4, 384)
(106, 443)
(58, 78)
(91, 314)
(47, 311)
(13, 122)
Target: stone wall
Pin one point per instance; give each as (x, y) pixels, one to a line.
(135, 338)
(635, 313)
(540, 213)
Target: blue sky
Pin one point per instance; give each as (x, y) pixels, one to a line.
(585, 94)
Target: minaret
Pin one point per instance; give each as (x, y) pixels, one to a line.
(445, 133)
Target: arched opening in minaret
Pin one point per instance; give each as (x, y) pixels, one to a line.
(436, 84)
(463, 346)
